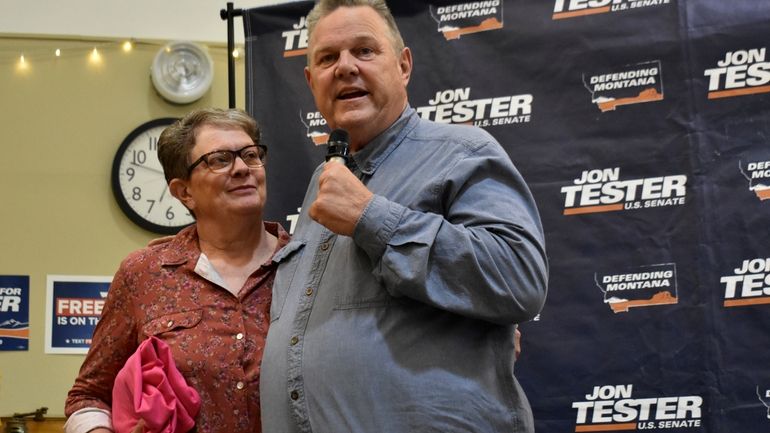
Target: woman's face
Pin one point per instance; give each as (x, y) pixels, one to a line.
(240, 189)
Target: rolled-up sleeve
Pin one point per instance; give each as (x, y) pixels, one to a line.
(478, 251)
(114, 340)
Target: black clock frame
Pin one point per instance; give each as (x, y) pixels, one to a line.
(122, 202)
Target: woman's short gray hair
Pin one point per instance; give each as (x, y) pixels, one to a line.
(177, 141)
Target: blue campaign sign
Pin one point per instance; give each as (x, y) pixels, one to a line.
(73, 307)
(14, 312)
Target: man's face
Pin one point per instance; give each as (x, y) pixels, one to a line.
(238, 190)
(357, 79)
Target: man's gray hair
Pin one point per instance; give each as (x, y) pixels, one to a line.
(325, 7)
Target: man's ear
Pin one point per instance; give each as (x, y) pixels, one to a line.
(309, 78)
(179, 189)
(405, 63)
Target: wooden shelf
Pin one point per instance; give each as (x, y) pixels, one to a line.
(48, 425)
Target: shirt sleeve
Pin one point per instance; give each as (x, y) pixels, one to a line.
(113, 341)
(86, 419)
(479, 253)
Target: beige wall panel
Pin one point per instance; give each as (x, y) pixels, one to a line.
(61, 121)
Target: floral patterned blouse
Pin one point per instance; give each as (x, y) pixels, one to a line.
(217, 339)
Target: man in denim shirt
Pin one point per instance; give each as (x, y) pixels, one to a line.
(395, 304)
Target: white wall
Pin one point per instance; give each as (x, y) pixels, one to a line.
(192, 20)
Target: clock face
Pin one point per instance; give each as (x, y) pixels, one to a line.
(139, 185)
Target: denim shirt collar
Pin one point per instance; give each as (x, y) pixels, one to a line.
(376, 151)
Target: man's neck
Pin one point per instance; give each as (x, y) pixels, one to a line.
(361, 136)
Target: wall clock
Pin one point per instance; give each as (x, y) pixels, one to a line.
(139, 185)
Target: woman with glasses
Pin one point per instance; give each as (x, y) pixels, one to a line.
(206, 292)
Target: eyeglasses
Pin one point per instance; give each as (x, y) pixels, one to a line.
(219, 161)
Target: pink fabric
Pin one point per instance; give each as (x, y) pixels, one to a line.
(150, 387)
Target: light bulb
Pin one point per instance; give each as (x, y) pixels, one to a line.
(22, 65)
(95, 58)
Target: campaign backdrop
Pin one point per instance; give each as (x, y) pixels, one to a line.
(642, 128)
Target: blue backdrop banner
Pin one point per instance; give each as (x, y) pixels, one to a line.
(642, 128)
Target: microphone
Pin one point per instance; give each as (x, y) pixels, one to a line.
(337, 150)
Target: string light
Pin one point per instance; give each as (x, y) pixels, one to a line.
(94, 49)
(95, 57)
(38, 50)
(22, 65)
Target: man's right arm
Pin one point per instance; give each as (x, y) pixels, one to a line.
(477, 250)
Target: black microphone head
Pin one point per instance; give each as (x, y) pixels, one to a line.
(339, 136)
(338, 145)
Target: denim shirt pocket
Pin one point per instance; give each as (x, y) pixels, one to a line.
(288, 259)
(174, 329)
(359, 289)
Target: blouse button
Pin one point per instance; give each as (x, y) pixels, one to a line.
(324, 246)
(239, 385)
(239, 336)
(294, 395)
(309, 291)
(170, 323)
(294, 340)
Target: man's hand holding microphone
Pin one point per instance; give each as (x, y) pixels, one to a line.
(341, 197)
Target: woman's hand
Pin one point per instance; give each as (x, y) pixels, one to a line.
(139, 427)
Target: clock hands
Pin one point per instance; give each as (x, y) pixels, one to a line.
(147, 168)
(163, 193)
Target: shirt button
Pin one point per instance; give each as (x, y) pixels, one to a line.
(294, 340)
(309, 291)
(324, 246)
(294, 395)
(170, 323)
(239, 336)
(239, 385)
